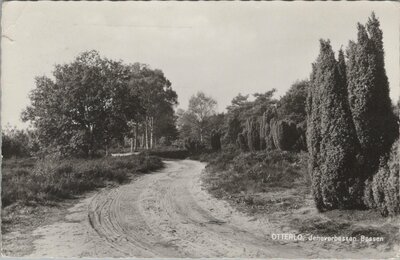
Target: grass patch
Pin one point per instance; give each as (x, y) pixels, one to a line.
(33, 182)
(240, 176)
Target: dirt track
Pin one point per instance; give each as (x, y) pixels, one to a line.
(163, 214)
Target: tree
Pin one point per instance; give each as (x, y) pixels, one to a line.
(234, 123)
(292, 105)
(201, 108)
(331, 136)
(262, 102)
(368, 93)
(241, 110)
(252, 133)
(157, 99)
(93, 101)
(233, 127)
(69, 112)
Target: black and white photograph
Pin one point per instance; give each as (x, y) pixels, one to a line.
(200, 129)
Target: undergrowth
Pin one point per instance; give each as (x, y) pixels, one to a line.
(39, 182)
(277, 183)
(232, 173)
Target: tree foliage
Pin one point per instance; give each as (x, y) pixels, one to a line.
(292, 105)
(368, 88)
(18, 143)
(382, 191)
(195, 122)
(284, 134)
(350, 124)
(331, 136)
(90, 102)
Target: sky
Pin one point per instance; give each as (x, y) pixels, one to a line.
(220, 48)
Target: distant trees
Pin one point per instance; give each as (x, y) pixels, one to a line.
(195, 122)
(350, 123)
(268, 123)
(18, 143)
(202, 107)
(243, 120)
(93, 100)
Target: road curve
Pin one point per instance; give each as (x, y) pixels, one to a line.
(162, 214)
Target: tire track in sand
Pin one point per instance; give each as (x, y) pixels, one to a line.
(166, 214)
(163, 214)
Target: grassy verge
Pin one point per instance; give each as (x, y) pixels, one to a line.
(40, 192)
(276, 185)
(260, 181)
(29, 182)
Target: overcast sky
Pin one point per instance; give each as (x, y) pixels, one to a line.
(221, 48)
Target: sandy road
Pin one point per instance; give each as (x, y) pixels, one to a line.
(163, 214)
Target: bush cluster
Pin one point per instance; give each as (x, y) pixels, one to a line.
(18, 143)
(382, 191)
(350, 124)
(332, 141)
(266, 133)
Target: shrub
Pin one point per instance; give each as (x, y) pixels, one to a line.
(301, 143)
(265, 133)
(368, 95)
(331, 138)
(242, 141)
(18, 143)
(252, 128)
(284, 134)
(382, 192)
(233, 128)
(215, 140)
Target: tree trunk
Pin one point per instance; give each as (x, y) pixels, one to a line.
(135, 138)
(147, 133)
(131, 145)
(91, 144)
(151, 131)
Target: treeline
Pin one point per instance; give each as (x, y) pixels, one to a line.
(94, 102)
(264, 123)
(351, 127)
(18, 143)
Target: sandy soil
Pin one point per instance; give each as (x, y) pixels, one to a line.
(166, 214)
